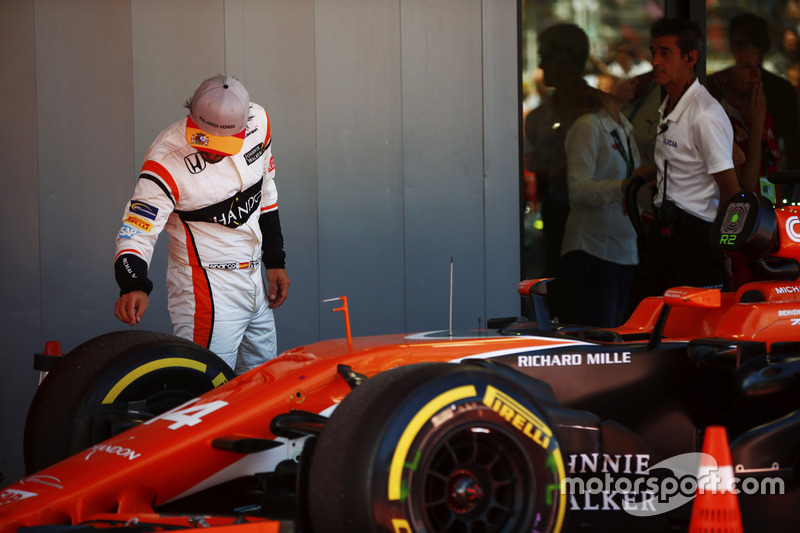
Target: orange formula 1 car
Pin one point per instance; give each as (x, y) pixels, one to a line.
(523, 427)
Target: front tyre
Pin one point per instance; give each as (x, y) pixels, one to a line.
(110, 383)
(437, 448)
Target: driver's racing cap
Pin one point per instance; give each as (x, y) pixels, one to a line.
(218, 116)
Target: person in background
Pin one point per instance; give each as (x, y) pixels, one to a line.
(744, 102)
(564, 50)
(208, 180)
(753, 128)
(780, 95)
(793, 76)
(625, 62)
(599, 251)
(787, 51)
(693, 157)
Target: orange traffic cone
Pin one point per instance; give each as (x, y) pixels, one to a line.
(716, 507)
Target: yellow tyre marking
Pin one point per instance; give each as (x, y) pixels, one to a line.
(135, 374)
(562, 499)
(401, 526)
(219, 380)
(494, 395)
(410, 433)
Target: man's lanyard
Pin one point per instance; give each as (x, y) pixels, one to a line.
(626, 156)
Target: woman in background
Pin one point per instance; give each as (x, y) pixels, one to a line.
(599, 250)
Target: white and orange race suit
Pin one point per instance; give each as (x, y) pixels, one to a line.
(222, 221)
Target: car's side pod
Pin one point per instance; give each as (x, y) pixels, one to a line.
(769, 450)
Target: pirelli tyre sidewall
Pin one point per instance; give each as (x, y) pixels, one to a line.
(137, 374)
(437, 447)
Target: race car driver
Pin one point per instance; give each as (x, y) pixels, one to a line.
(208, 180)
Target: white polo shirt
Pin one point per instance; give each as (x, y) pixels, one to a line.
(599, 154)
(697, 142)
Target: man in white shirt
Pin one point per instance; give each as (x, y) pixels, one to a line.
(693, 156)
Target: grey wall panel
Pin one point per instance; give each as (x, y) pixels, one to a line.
(359, 154)
(443, 161)
(271, 46)
(20, 305)
(501, 118)
(85, 128)
(170, 59)
(176, 45)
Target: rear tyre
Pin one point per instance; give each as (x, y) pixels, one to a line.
(111, 383)
(437, 448)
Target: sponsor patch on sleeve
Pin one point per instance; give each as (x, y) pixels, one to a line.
(138, 222)
(126, 232)
(143, 209)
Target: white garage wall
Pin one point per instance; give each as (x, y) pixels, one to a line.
(395, 135)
